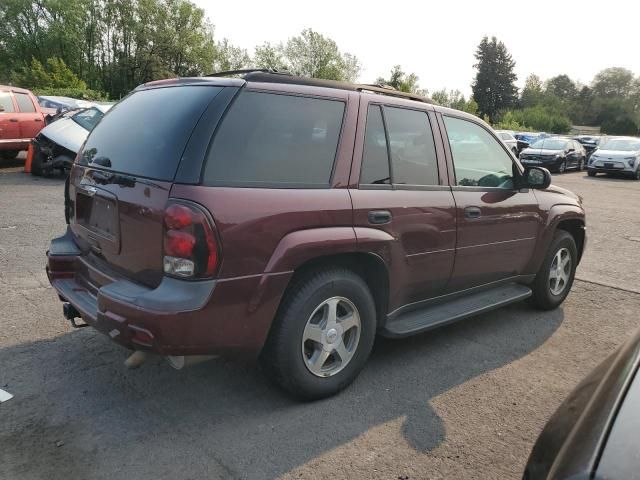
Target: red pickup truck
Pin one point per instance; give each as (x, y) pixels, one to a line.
(20, 120)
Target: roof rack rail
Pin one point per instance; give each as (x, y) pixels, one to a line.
(392, 92)
(245, 71)
(275, 76)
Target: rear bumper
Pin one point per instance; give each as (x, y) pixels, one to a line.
(179, 317)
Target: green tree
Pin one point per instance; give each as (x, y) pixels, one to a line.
(55, 75)
(311, 54)
(613, 82)
(494, 87)
(270, 56)
(455, 99)
(229, 57)
(401, 81)
(562, 87)
(532, 92)
(509, 121)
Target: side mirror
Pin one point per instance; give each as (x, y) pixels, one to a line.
(1, 109)
(537, 177)
(571, 150)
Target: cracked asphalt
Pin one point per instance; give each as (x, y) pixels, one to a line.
(465, 401)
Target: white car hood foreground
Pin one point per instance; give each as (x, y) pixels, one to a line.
(66, 133)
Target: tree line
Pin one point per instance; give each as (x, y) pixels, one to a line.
(105, 48)
(611, 100)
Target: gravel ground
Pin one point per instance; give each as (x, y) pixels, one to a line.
(466, 401)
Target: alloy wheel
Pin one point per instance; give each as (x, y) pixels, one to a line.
(560, 271)
(331, 335)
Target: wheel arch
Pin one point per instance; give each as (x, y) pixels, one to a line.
(369, 266)
(576, 228)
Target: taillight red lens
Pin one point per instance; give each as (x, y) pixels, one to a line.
(177, 216)
(179, 244)
(190, 241)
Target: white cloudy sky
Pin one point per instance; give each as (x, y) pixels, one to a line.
(436, 40)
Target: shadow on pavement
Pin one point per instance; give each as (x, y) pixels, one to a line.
(78, 413)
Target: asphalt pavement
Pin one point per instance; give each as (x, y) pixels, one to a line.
(465, 401)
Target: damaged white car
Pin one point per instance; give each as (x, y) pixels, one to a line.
(57, 144)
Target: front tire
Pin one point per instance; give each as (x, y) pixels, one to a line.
(636, 176)
(322, 335)
(591, 173)
(562, 167)
(555, 277)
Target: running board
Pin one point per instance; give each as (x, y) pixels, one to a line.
(436, 315)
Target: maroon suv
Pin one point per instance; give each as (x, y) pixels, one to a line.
(294, 219)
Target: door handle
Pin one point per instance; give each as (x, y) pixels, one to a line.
(379, 217)
(14, 120)
(37, 119)
(472, 212)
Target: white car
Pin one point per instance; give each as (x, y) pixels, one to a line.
(509, 140)
(57, 144)
(618, 155)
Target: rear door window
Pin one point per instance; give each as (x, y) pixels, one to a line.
(413, 153)
(146, 133)
(6, 102)
(276, 140)
(24, 103)
(375, 158)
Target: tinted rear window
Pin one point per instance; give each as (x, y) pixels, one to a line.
(272, 140)
(147, 132)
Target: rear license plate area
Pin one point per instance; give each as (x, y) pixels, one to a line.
(97, 214)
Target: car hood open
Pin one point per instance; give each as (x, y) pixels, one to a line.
(66, 133)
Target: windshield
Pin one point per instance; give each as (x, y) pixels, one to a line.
(549, 144)
(622, 144)
(88, 118)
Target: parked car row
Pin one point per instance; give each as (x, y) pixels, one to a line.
(555, 153)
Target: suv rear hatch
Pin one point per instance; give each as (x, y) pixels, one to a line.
(122, 179)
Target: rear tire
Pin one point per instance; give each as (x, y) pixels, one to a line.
(302, 354)
(547, 292)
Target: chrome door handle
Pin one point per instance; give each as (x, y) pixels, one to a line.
(472, 212)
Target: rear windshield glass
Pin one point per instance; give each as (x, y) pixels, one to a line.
(274, 140)
(147, 132)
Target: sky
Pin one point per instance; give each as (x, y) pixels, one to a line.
(437, 40)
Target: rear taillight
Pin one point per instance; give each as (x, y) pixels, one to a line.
(190, 244)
